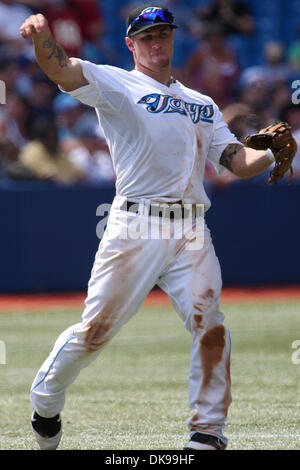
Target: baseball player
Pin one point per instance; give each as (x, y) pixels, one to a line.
(160, 134)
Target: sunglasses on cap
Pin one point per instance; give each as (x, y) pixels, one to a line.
(151, 17)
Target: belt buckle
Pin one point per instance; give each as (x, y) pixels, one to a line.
(167, 210)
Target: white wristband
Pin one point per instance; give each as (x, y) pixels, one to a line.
(270, 155)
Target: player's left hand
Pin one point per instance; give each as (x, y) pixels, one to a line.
(279, 139)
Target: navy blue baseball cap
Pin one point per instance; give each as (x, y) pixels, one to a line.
(146, 16)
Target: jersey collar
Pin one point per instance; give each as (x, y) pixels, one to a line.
(146, 77)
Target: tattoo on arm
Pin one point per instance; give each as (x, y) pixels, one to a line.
(56, 51)
(228, 154)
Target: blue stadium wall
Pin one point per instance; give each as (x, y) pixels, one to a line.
(48, 234)
(273, 19)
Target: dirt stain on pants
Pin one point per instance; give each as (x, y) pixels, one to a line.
(212, 344)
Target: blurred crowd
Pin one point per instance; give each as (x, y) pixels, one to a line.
(46, 134)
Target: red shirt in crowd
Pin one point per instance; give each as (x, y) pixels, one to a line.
(72, 22)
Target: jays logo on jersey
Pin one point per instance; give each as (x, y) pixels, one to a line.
(156, 103)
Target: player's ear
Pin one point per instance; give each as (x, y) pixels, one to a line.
(129, 43)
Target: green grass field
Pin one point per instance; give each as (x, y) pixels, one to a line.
(134, 396)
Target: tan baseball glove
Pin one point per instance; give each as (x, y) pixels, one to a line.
(279, 139)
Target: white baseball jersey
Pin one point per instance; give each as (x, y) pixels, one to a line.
(159, 136)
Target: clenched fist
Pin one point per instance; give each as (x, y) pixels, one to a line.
(35, 24)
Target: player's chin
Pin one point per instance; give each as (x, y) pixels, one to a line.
(160, 62)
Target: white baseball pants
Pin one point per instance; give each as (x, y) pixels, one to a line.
(125, 270)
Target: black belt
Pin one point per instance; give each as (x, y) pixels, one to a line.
(169, 210)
